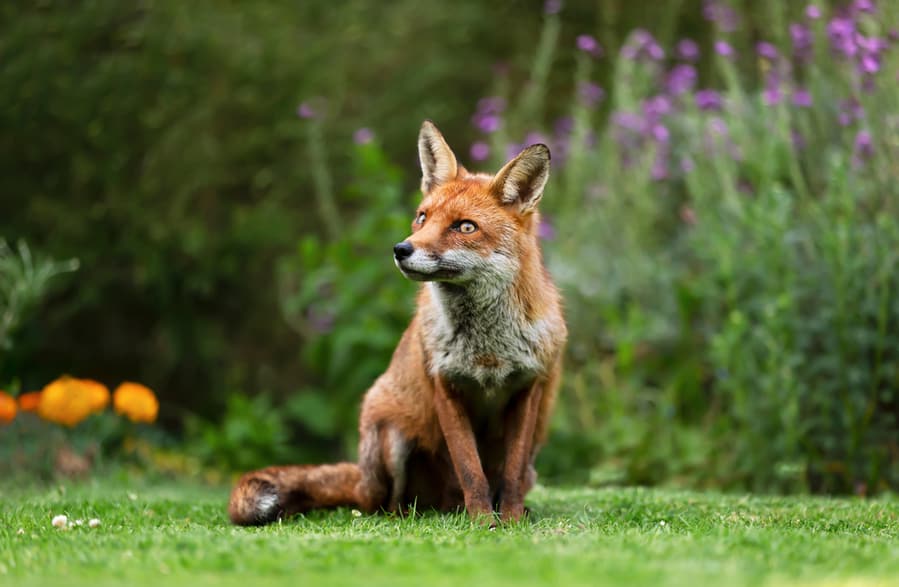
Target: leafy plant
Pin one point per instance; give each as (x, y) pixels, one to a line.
(24, 280)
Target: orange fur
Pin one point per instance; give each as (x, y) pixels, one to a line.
(460, 413)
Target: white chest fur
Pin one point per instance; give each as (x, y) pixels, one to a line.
(483, 338)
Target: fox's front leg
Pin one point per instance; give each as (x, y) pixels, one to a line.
(463, 451)
(520, 426)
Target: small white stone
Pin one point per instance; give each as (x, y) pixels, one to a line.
(356, 513)
(60, 521)
(93, 522)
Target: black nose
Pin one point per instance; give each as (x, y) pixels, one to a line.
(402, 250)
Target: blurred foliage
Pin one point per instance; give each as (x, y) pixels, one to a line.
(728, 279)
(24, 280)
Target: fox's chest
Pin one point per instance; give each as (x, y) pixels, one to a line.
(492, 358)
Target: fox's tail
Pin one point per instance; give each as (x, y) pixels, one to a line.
(265, 495)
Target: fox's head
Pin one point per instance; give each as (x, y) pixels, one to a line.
(469, 226)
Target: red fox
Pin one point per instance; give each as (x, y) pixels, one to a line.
(459, 415)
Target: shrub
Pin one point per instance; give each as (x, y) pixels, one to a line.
(727, 244)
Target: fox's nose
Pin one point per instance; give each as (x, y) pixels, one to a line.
(402, 250)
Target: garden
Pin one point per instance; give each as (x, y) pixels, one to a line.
(198, 208)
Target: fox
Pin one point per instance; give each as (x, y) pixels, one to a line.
(459, 416)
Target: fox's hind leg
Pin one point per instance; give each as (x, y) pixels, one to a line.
(266, 495)
(396, 457)
(383, 455)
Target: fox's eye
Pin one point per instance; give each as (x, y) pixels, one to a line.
(420, 218)
(467, 227)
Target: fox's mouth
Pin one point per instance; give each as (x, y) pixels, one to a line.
(438, 274)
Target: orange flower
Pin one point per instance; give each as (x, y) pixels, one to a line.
(67, 401)
(7, 408)
(136, 402)
(28, 402)
(99, 394)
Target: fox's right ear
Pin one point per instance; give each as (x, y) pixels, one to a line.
(438, 163)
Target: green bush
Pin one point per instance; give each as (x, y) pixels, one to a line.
(728, 253)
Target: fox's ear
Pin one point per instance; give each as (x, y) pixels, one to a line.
(438, 163)
(521, 181)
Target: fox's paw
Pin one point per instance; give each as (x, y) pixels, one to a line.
(254, 502)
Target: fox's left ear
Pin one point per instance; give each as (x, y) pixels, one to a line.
(521, 181)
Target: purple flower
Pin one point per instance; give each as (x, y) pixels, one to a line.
(642, 44)
(874, 45)
(870, 63)
(772, 94)
(487, 118)
(864, 146)
(486, 123)
(766, 50)
(850, 111)
(564, 125)
(802, 98)
(545, 229)
(589, 45)
(552, 6)
(688, 50)
(870, 49)
(513, 149)
(655, 51)
(304, 110)
(628, 121)
(591, 94)
(717, 139)
(534, 138)
(363, 136)
(491, 105)
(480, 151)
(841, 32)
(813, 12)
(717, 127)
(687, 164)
(660, 133)
(657, 106)
(802, 40)
(681, 79)
(721, 14)
(724, 49)
(859, 6)
(708, 100)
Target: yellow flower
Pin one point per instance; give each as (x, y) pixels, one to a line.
(99, 394)
(67, 401)
(7, 408)
(136, 402)
(28, 402)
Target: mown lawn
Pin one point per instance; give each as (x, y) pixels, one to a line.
(178, 535)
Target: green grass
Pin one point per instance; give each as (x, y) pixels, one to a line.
(178, 535)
